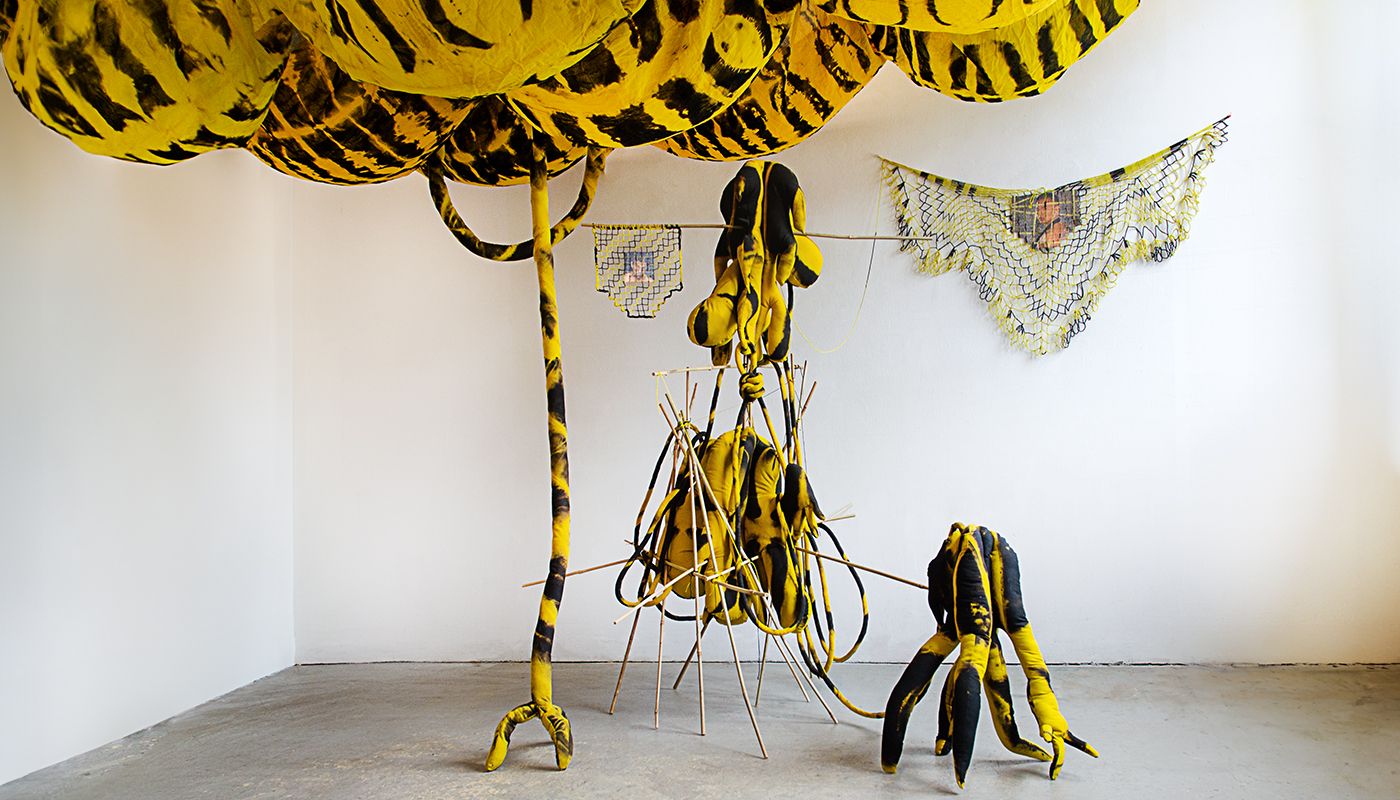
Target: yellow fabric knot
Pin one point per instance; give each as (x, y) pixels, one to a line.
(751, 386)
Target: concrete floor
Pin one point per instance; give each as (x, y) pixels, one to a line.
(387, 731)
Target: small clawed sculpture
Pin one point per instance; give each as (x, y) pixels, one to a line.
(974, 591)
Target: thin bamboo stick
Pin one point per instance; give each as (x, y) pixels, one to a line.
(762, 664)
(881, 573)
(623, 669)
(580, 571)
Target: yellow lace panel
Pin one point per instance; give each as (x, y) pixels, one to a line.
(1042, 259)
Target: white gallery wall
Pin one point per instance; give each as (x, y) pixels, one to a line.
(1208, 474)
(237, 409)
(145, 525)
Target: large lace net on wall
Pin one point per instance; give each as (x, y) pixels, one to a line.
(1042, 259)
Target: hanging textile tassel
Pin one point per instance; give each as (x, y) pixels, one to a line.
(637, 266)
(1043, 258)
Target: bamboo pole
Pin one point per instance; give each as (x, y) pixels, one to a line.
(881, 573)
(623, 669)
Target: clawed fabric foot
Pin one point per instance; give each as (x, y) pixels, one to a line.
(555, 722)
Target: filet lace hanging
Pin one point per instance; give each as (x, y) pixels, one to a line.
(637, 266)
(1043, 258)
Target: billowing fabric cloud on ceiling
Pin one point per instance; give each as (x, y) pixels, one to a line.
(325, 126)
(674, 66)
(941, 16)
(492, 147)
(357, 91)
(158, 81)
(454, 48)
(819, 66)
(1021, 59)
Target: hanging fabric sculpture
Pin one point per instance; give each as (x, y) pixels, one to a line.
(637, 266)
(740, 513)
(498, 92)
(1043, 258)
(974, 591)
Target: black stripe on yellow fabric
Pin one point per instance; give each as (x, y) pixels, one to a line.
(682, 11)
(216, 18)
(403, 51)
(984, 80)
(725, 76)
(451, 32)
(646, 32)
(958, 68)
(85, 79)
(1045, 42)
(967, 702)
(1109, 13)
(1083, 31)
(527, 9)
(59, 109)
(634, 120)
(597, 69)
(1017, 66)
(157, 14)
(107, 34)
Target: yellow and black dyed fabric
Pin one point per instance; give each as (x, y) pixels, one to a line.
(519, 251)
(974, 592)
(541, 705)
(327, 127)
(673, 66)
(1020, 59)
(454, 48)
(155, 81)
(821, 64)
(762, 252)
(491, 146)
(943, 16)
(7, 18)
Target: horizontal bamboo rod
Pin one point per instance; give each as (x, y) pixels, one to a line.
(881, 573)
(720, 226)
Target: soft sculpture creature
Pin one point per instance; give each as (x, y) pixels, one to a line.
(762, 252)
(974, 590)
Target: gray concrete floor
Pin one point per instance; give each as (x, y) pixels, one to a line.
(387, 731)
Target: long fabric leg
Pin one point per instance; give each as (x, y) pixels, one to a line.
(908, 691)
(998, 686)
(973, 616)
(1006, 573)
(541, 672)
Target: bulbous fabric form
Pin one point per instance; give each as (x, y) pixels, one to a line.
(675, 65)
(155, 81)
(821, 64)
(327, 127)
(454, 48)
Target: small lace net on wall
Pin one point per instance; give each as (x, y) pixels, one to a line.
(637, 266)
